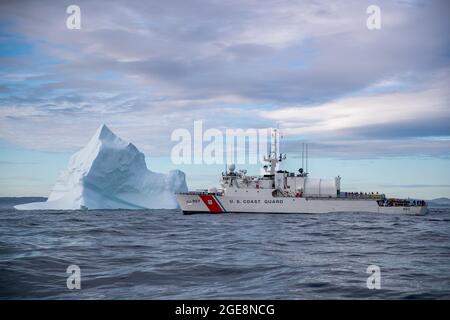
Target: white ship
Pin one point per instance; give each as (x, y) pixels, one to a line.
(280, 191)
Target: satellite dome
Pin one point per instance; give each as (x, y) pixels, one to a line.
(212, 190)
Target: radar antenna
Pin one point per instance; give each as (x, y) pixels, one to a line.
(274, 157)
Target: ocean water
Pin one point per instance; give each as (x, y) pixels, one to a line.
(162, 254)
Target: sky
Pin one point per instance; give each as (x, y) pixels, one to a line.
(374, 105)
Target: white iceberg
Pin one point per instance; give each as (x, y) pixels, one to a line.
(110, 173)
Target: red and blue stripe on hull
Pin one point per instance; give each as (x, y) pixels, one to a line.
(212, 203)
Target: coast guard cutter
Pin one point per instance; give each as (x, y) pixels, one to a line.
(279, 191)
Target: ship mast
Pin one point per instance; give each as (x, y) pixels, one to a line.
(274, 157)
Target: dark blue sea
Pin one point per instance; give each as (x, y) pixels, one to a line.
(162, 254)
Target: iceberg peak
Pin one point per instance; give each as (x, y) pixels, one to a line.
(102, 141)
(106, 136)
(104, 133)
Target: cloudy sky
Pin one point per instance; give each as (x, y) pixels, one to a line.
(373, 104)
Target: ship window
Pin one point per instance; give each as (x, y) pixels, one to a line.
(209, 202)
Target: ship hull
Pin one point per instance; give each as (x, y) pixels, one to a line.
(214, 204)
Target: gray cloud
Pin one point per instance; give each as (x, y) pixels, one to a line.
(369, 149)
(149, 67)
(404, 129)
(214, 48)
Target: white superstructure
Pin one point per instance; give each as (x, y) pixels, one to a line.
(280, 191)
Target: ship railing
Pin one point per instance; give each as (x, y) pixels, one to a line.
(360, 195)
(193, 192)
(345, 196)
(206, 192)
(393, 202)
(318, 196)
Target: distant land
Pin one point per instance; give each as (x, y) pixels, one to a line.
(439, 203)
(10, 202)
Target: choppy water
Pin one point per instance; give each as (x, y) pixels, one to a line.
(161, 254)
